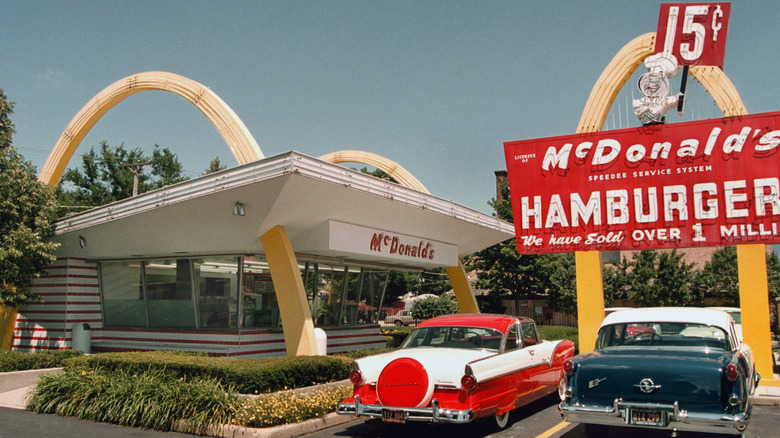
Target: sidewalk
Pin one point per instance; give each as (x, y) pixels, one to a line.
(15, 386)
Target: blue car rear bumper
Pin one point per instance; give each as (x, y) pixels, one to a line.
(674, 418)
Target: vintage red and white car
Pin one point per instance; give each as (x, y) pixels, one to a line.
(458, 368)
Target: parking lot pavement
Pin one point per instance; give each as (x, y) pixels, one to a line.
(23, 424)
(538, 420)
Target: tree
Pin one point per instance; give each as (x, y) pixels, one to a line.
(720, 277)
(655, 278)
(432, 307)
(215, 165)
(114, 173)
(27, 209)
(506, 273)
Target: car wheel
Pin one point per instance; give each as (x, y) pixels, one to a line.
(399, 323)
(502, 420)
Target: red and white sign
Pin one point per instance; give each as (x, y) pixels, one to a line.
(702, 183)
(695, 33)
(381, 244)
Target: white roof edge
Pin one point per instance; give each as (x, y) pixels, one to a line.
(271, 167)
(696, 315)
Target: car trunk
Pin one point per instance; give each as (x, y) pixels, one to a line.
(686, 377)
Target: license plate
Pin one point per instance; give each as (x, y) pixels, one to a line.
(393, 416)
(647, 417)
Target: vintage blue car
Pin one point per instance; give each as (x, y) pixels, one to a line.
(681, 369)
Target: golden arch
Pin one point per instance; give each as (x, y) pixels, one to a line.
(625, 63)
(751, 258)
(388, 166)
(230, 127)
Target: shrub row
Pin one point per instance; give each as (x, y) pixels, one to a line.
(247, 376)
(153, 400)
(16, 361)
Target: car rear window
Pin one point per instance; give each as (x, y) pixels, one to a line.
(470, 338)
(663, 334)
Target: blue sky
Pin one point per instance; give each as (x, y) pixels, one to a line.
(437, 86)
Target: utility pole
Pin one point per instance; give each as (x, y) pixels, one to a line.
(135, 167)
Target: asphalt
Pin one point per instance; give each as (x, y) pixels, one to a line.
(15, 421)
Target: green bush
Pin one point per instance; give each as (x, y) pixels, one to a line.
(432, 307)
(357, 354)
(555, 332)
(248, 376)
(152, 400)
(17, 361)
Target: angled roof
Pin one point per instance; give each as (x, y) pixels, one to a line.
(293, 190)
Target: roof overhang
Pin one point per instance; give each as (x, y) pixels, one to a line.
(312, 199)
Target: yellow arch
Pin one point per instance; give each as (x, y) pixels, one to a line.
(230, 127)
(625, 63)
(390, 167)
(467, 302)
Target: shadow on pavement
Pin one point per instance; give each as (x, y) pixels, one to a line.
(480, 428)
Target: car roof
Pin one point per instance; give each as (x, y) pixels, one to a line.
(728, 309)
(695, 315)
(497, 322)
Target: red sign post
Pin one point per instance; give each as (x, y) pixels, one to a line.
(702, 183)
(694, 33)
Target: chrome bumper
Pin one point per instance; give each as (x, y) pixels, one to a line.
(678, 419)
(434, 414)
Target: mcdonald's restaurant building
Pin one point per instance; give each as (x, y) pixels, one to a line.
(247, 262)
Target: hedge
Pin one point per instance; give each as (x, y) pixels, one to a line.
(17, 361)
(247, 376)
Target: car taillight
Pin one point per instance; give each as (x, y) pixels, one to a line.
(731, 372)
(568, 367)
(468, 382)
(355, 377)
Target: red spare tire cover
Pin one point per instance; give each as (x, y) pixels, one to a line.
(404, 383)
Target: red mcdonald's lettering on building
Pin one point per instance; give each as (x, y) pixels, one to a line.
(381, 242)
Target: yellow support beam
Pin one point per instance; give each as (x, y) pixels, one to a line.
(467, 302)
(299, 338)
(754, 301)
(7, 326)
(590, 297)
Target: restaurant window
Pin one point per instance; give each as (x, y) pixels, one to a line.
(372, 292)
(123, 294)
(164, 293)
(351, 299)
(343, 295)
(260, 307)
(330, 287)
(217, 291)
(169, 289)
